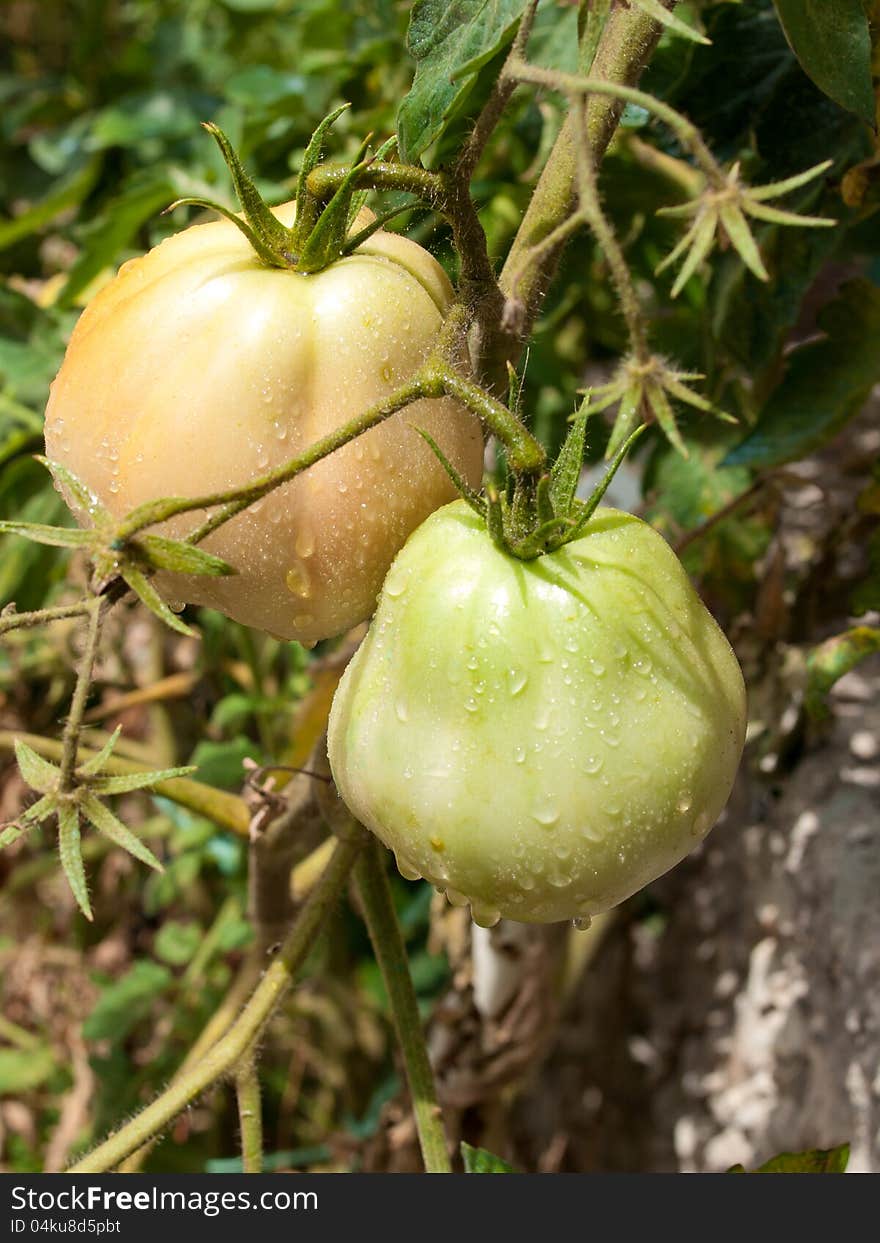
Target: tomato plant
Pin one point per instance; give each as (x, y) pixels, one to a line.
(540, 738)
(200, 367)
(631, 206)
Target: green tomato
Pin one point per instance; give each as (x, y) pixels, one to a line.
(199, 368)
(538, 738)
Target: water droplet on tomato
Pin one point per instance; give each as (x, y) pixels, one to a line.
(406, 869)
(516, 681)
(582, 922)
(304, 541)
(593, 763)
(401, 711)
(455, 898)
(597, 668)
(546, 813)
(297, 581)
(484, 916)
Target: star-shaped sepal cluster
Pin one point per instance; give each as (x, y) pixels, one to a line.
(78, 800)
(720, 214)
(646, 389)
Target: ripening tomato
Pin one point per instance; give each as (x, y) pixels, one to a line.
(539, 738)
(199, 368)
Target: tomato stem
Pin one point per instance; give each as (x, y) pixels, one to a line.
(239, 1039)
(374, 892)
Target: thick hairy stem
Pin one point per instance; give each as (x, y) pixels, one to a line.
(626, 45)
(574, 84)
(591, 206)
(232, 1047)
(375, 896)
(41, 617)
(250, 1115)
(73, 725)
(216, 1027)
(277, 842)
(524, 452)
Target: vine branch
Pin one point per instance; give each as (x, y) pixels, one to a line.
(229, 1050)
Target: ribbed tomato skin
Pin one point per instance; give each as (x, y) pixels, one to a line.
(539, 738)
(198, 368)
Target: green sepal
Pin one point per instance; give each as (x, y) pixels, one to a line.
(39, 774)
(148, 595)
(127, 782)
(69, 847)
(56, 537)
(566, 470)
(543, 501)
(94, 765)
(364, 235)
(264, 223)
(495, 518)
(29, 819)
(462, 487)
(105, 822)
(263, 252)
(312, 157)
(326, 241)
(654, 9)
(83, 497)
(590, 506)
(167, 554)
(737, 229)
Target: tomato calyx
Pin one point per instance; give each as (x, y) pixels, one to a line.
(321, 233)
(534, 513)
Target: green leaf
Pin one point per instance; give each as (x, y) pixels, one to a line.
(126, 1001)
(115, 229)
(105, 822)
(70, 192)
(832, 41)
(56, 537)
(22, 1070)
(176, 942)
(481, 1161)
(180, 558)
(449, 43)
(221, 763)
(814, 1161)
(71, 855)
(832, 659)
(826, 383)
(37, 772)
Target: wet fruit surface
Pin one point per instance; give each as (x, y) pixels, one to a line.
(198, 369)
(539, 738)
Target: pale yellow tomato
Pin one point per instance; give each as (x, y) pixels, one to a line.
(199, 368)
